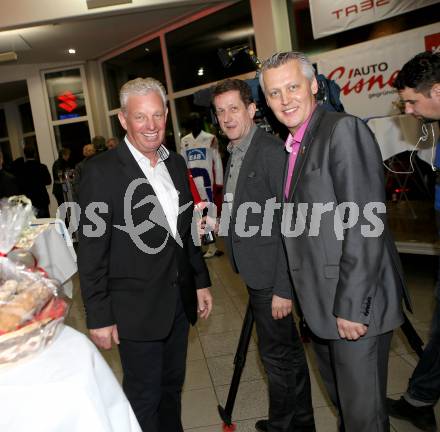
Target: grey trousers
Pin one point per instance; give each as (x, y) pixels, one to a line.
(355, 375)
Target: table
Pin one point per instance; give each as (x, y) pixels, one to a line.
(68, 387)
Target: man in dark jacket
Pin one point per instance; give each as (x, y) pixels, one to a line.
(59, 167)
(254, 181)
(34, 177)
(418, 84)
(141, 290)
(8, 183)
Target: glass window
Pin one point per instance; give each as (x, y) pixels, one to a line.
(193, 49)
(27, 121)
(186, 105)
(3, 127)
(74, 136)
(66, 94)
(117, 130)
(143, 61)
(170, 142)
(302, 35)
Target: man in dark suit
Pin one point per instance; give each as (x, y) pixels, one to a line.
(142, 278)
(253, 186)
(8, 183)
(59, 168)
(33, 178)
(344, 265)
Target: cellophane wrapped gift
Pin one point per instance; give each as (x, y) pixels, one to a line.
(32, 306)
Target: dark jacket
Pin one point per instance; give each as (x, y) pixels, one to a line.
(121, 282)
(34, 177)
(8, 184)
(342, 273)
(260, 258)
(59, 166)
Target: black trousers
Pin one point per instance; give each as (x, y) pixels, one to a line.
(355, 376)
(154, 372)
(283, 357)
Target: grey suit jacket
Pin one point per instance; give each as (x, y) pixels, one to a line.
(259, 256)
(359, 277)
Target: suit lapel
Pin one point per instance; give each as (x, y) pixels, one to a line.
(130, 167)
(228, 168)
(132, 171)
(304, 151)
(245, 169)
(176, 177)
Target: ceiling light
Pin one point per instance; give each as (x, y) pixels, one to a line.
(71, 51)
(236, 35)
(200, 72)
(8, 56)
(92, 4)
(147, 49)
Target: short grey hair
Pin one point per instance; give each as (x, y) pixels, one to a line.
(281, 58)
(141, 86)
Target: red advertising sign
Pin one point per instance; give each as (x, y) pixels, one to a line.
(334, 16)
(67, 101)
(432, 42)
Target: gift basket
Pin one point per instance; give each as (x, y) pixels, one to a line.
(32, 306)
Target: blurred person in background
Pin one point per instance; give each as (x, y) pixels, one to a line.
(111, 143)
(418, 84)
(8, 183)
(59, 167)
(34, 177)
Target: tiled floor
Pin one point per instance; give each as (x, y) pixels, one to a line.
(212, 346)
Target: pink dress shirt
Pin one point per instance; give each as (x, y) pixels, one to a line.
(293, 144)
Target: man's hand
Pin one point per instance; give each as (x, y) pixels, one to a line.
(281, 307)
(204, 302)
(207, 224)
(350, 330)
(102, 337)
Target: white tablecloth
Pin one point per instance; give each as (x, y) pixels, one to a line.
(399, 133)
(54, 252)
(68, 387)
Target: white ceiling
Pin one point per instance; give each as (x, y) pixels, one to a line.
(92, 33)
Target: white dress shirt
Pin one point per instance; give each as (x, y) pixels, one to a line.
(161, 182)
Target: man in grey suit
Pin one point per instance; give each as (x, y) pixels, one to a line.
(253, 187)
(344, 265)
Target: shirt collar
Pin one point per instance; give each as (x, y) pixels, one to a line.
(162, 152)
(298, 136)
(244, 143)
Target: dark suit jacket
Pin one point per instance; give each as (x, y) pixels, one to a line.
(34, 177)
(260, 259)
(358, 278)
(8, 184)
(120, 283)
